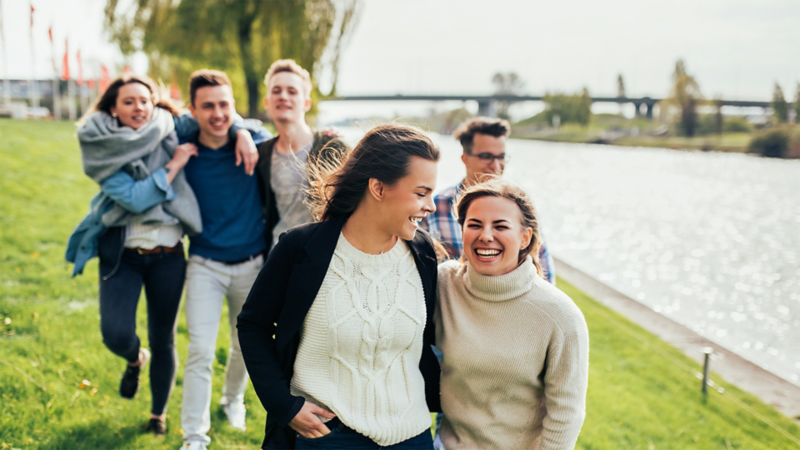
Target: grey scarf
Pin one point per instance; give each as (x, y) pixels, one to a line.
(107, 147)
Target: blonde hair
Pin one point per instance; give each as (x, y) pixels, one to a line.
(288, 65)
(497, 187)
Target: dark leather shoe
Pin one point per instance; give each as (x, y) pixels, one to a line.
(129, 385)
(157, 427)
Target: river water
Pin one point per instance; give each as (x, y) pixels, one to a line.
(711, 240)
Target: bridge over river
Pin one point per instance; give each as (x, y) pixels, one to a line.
(487, 104)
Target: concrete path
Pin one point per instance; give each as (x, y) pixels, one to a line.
(770, 388)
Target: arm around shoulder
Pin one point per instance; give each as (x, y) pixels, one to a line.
(138, 196)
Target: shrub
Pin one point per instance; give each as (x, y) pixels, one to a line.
(736, 125)
(772, 143)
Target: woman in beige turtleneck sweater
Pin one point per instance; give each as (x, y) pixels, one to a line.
(516, 349)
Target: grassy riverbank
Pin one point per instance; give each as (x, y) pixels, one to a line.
(637, 132)
(641, 394)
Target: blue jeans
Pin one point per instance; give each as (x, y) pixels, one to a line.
(344, 438)
(437, 444)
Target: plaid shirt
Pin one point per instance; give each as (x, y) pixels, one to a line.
(443, 226)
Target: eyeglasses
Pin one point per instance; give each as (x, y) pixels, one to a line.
(488, 158)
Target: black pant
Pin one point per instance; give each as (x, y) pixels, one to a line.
(162, 275)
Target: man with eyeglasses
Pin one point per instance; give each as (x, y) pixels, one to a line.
(484, 143)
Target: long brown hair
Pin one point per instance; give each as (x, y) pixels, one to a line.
(109, 97)
(384, 153)
(497, 187)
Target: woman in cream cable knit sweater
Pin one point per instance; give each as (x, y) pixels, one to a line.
(337, 330)
(516, 349)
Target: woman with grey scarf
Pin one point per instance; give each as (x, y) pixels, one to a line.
(130, 148)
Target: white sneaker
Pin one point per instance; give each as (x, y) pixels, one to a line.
(194, 445)
(236, 415)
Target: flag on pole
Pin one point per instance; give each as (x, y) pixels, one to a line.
(32, 10)
(80, 68)
(53, 47)
(174, 91)
(104, 81)
(65, 70)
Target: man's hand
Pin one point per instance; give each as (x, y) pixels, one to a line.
(332, 132)
(308, 424)
(246, 151)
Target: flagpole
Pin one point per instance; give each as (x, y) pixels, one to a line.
(33, 88)
(56, 83)
(70, 85)
(6, 81)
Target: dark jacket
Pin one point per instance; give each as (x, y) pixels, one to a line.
(324, 148)
(271, 318)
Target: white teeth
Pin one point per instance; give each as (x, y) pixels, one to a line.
(487, 252)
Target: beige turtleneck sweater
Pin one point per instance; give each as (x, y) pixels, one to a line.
(509, 342)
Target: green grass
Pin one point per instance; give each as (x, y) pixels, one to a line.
(600, 123)
(639, 398)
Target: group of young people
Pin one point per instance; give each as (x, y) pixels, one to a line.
(359, 303)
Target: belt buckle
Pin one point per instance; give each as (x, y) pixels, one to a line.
(140, 250)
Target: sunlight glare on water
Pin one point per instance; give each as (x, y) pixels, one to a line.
(711, 240)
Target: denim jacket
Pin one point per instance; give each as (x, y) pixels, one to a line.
(137, 196)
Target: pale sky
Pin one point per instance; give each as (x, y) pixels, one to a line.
(734, 48)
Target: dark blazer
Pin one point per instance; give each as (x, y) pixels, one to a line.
(271, 318)
(324, 148)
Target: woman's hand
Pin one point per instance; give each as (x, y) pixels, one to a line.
(246, 151)
(182, 154)
(308, 424)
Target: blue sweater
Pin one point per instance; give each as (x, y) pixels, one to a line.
(230, 204)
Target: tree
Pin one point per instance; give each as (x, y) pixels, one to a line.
(241, 37)
(780, 109)
(719, 119)
(569, 108)
(506, 84)
(685, 95)
(797, 104)
(620, 90)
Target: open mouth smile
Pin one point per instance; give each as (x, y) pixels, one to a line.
(488, 254)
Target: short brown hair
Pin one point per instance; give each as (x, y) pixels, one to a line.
(497, 187)
(206, 77)
(288, 65)
(480, 125)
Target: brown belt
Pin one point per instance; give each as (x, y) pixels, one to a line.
(178, 248)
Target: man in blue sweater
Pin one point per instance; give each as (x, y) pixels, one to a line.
(224, 259)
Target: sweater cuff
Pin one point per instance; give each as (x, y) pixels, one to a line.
(160, 178)
(296, 406)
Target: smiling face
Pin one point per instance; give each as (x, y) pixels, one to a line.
(493, 235)
(484, 144)
(134, 105)
(409, 200)
(286, 99)
(213, 108)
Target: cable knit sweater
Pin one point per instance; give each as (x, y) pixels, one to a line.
(361, 344)
(509, 341)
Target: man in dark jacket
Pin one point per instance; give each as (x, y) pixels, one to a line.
(283, 165)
